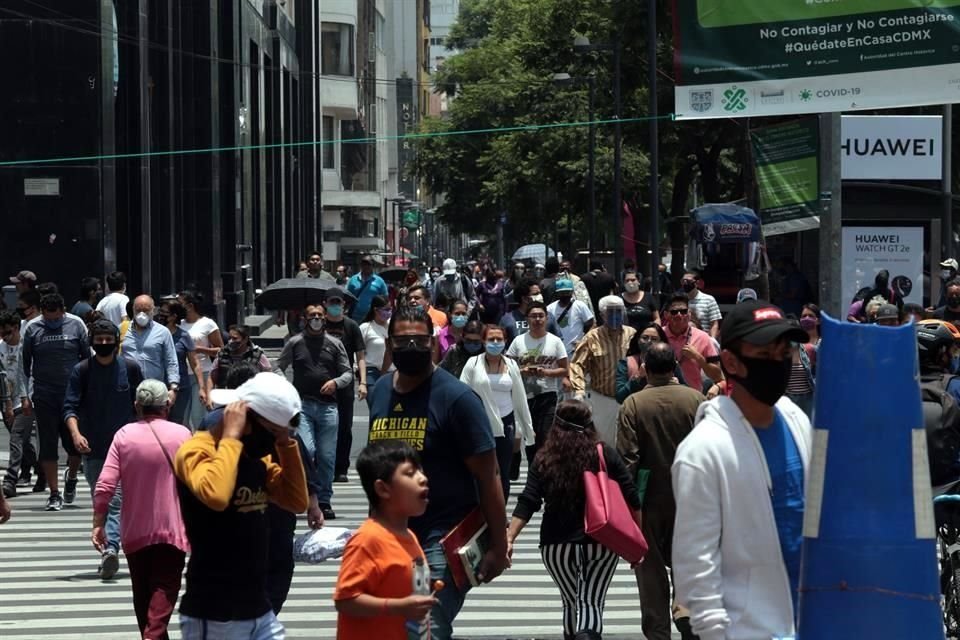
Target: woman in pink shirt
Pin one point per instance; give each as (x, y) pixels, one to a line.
(151, 528)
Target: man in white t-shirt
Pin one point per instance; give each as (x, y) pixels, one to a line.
(543, 364)
(572, 316)
(113, 306)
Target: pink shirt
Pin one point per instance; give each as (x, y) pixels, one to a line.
(699, 340)
(446, 339)
(150, 513)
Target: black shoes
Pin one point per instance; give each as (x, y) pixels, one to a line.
(69, 487)
(341, 478)
(328, 512)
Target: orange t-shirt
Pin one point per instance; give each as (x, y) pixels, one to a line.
(439, 318)
(380, 563)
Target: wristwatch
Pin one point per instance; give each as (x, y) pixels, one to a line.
(174, 387)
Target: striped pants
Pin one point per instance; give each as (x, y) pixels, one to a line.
(583, 573)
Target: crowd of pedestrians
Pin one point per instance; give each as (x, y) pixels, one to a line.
(193, 442)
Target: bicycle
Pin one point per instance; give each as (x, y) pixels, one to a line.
(947, 516)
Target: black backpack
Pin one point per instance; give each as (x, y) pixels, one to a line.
(941, 420)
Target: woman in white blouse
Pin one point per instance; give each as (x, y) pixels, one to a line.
(496, 379)
(374, 330)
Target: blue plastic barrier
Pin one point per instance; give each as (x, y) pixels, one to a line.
(869, 556)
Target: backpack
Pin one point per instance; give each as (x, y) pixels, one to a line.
(941, 419)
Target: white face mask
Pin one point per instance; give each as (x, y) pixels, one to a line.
(631, 287)
(142, 319)
(536, 298)
(945, 274)
(316, 324)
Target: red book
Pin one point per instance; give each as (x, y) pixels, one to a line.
(458, 541)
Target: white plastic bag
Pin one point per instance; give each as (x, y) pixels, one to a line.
(314, 547)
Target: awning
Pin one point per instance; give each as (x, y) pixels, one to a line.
(724, 223)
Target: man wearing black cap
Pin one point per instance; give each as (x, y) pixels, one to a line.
(739, 481)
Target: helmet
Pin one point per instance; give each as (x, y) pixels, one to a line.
(933, 335)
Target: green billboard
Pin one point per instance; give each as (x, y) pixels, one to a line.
(788, 176)
(776, 57)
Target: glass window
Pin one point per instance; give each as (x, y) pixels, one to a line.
(327, 138)
(336, 55)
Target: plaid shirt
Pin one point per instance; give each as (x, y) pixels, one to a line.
(598, 354)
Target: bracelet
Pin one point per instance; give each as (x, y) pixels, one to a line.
(385, 601)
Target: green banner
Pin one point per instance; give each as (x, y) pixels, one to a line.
(412, 219)
(775, 57)
(788, 176)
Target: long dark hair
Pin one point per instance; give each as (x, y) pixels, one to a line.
(634, 346)
(570, 449)
(377, 303)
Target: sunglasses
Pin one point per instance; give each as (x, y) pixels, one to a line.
(679, 312)
(420, 341)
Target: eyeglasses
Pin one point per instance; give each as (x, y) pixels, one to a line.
(419, 341)
(679, 312)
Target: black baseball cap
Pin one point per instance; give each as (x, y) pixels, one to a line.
(759, 322)
(335, 293)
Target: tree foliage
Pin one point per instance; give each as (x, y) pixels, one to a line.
(502, 79)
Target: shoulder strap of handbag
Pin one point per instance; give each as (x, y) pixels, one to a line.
(366, 283)
(565, 312)
(162, 448)
(603, 462)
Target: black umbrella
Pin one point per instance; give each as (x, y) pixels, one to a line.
(394, 275)
(296, 293)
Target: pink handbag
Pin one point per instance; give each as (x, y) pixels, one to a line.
(607, 517)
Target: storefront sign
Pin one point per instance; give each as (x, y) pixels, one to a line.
(788, 176)
(892, 147)
(774, 57)
(867, 250)
(406, 124)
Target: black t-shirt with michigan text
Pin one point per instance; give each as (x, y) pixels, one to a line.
(444, 420)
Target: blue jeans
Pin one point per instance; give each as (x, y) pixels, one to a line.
(91, 472)
(373, 374)
(180, 411)
(318, 430)
(450, 598)
(266, 627)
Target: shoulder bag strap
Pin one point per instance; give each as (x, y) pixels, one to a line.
(162, 448)
(565, 312)
(603, 462)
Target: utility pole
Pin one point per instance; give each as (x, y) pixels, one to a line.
(831, 197)
(654, 128)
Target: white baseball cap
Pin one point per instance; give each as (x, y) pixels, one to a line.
(267, 394)
(449, 267)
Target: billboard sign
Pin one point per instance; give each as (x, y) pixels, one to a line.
(764, 58)
(788, 175)
(892, 147)
(406, 124)
(867, 250)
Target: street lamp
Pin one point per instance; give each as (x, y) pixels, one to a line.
(565, 79)
(581, 44)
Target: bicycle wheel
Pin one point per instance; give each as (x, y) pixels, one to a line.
(950, 582)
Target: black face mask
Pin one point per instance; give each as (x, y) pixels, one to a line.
(688, 286)
(766, 379)
(564, 300)
(104, 350)
(953, 301)
(22, 313)
(258, 443)
(412, 361)
(472, 347)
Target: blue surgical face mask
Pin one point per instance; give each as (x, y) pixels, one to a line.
(472, 347)
(335, 310)
(459, 321)
(495, 348)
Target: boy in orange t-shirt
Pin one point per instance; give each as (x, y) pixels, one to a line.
(383, 590)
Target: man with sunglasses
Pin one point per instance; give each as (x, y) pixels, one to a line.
(227, 480)
(320, 368)
(444, 420)
(693, 347)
